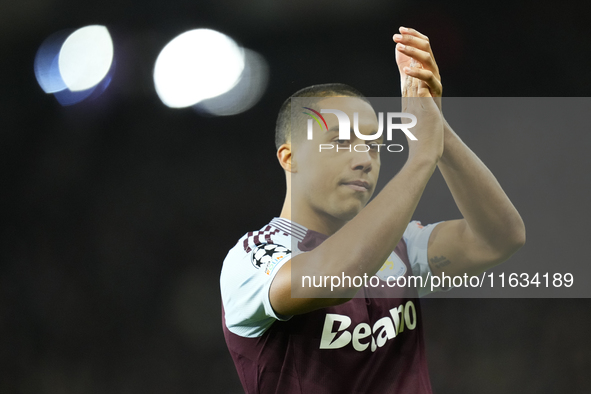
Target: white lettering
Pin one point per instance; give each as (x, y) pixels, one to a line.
(383, 330)
(309, 281)
(401, 311)
(395, 318)
(410, 323)
(345, 125)
(327, 341)
(371, 280)
(362, 330)
(386, 330)
(314, 281)
(363, 148)
(367, 137)
(355, 283)
(399, 279)
(402, 126)
(332, 285)
(365, 145)
(395, 151)
(346, 277)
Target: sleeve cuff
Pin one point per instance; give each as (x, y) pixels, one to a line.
(269, 311)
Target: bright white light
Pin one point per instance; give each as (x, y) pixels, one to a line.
(86, 57)
(46, 67)
(247, 92)
(197, 65)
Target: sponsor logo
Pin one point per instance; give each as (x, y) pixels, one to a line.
(363, 336)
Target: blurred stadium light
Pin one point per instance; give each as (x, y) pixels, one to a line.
(86, 57)
(197, 65)
(247, 92)
(72, 66)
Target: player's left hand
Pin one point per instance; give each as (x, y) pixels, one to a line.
(413, 45)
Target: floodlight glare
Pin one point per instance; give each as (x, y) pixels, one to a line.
(197, 65)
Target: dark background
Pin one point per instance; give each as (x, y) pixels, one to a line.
(118, 212)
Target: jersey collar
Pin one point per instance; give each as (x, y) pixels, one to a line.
(308, 239)
(291, 228)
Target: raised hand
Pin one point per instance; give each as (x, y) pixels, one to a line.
(415, 59)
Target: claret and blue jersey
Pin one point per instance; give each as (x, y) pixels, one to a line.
(370, 344)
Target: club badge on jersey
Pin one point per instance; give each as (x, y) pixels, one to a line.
(393, 267)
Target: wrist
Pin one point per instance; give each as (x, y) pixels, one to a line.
(422, 157)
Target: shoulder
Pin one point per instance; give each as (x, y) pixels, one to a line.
(254, 248)
(246, 275)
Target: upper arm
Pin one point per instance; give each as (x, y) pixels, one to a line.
(256, 289)
(455, 250)
(244, 282)
(280, 292)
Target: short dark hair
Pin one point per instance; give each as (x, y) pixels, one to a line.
(283, 126)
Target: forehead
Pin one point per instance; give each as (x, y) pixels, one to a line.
(348, 105)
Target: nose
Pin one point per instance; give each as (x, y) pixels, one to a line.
(361, 161)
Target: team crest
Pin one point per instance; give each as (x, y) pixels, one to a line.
(268, 256)
(393, 267)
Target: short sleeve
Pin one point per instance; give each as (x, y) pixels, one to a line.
(245, 282)
(416, 237)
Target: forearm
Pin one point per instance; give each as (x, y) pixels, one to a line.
(489, 213)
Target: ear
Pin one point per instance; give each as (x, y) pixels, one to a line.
(285, 158)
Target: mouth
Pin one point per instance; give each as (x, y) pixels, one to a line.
(360, 186)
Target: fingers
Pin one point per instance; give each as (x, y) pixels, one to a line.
(416, 45)
(413, 41)
(413, 32)
(426, 76)
(424, 57)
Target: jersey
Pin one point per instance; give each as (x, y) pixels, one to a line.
(369, 344)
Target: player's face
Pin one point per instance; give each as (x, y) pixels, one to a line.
(337, 181)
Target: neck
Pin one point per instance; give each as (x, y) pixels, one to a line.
(312, 220)
(286, 210)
